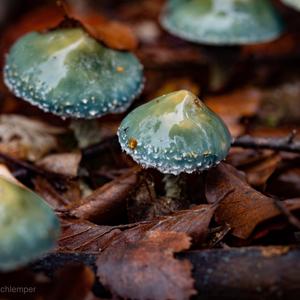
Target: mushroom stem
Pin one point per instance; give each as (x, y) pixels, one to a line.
(174, 186)
(87, 132)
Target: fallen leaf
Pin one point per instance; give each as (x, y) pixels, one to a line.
(112, 33)
(194, 222)
(147, 269)
(59, 198)
(240, 206)
(63, 163)
(259, 174)
(257, 165)
(42, 18)
(25, 138)
(106, 204)
(83, 236)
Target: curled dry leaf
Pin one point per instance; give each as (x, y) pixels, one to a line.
(194, 222)
(25, 138)
(242, 207)
(66, 164)
(258, 165)
(42, 18)
(59, 198)
(147, 269)
(83, 236)
(112, 33)
(259, 173)
(106, 204)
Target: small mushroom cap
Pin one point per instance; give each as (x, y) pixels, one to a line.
(28, 226)
(68, 73)
(222, 22)
(175, 133)
(292, 3)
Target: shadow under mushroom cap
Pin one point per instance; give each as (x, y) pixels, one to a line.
(222, 22)
(68, 73)
(175, 133)
(28, 226)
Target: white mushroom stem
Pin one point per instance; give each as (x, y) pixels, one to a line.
(87, 132)
(174, 186)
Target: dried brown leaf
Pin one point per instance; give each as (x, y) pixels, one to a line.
(259, 173)
(24, 138)
(42, 18)
(147, 269)
(63, 163)
(107, 203)
(83, 236)
(112, 33)
(194, 222)
(243, 208)
(240, 206)
(68, 193)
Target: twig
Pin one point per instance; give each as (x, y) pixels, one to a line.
(285, 211)
(287, 144)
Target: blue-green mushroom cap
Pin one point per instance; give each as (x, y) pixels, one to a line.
(28, 226)
(222, 22)
(292, 3)
(70, 74)
(175, 133)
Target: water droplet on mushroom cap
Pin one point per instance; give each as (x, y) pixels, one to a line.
(222, 21)
(175, 133)
(28, 226)
(292, 3)
(70, 74)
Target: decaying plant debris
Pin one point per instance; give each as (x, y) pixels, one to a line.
(231, 232)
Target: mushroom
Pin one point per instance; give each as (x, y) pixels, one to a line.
(222, 23)
(68, 73)
(292, 3)
(219, 22)
(28, 226)
(175, 133)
